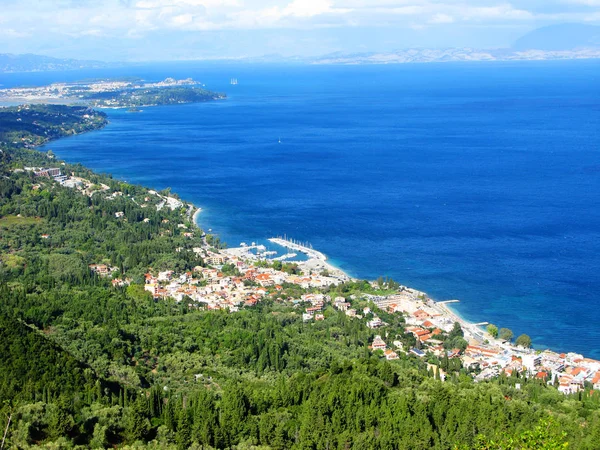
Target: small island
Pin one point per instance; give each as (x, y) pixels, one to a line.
(125, 93)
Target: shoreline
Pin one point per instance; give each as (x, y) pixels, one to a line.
(196, 215)
(474, 333)
(319, 262)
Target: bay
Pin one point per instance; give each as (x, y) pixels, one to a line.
(471, 181)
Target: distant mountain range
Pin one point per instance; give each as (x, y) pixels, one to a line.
(417, 55)
(563, 37)
(36, 63)
(564, 41)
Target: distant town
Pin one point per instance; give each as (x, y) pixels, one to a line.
(113, 93)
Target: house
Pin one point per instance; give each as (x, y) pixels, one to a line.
(394, 308)
(54, 172)
(153, 288)
(165, 276)
(375, 323)
(312, 310)
(101, 269)
(251, 302)
(119, 214)
(421, 334)
(390, 354)
(420, 314)
(378, 344)
(596, 380)
(454, 353)
(264, 279)
(475, 351)
(532, 362)
(214, 259)
(568, 385)
(417, 352)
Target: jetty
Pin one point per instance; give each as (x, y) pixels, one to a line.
(300, 247)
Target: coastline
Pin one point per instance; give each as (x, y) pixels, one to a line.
(317, 261)
(475, 333)
(320, 262)
(196, 215)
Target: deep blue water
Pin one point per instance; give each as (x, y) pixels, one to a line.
(472, 181)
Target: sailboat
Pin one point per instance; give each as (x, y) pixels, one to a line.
(279, 141)
(233, 81)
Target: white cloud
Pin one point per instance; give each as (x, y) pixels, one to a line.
(307, 8)
(584, 2)
(441, 18)
(119, 18)
(12, 33)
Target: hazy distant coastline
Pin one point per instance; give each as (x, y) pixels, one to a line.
(550, 43)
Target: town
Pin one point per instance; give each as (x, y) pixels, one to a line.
(242, 277)
(237, 278)
(80, 91)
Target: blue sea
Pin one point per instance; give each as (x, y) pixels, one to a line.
(478, 182)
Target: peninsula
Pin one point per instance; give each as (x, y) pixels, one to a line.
(113, 93)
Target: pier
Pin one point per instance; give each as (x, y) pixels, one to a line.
(300, 247)
(447, 301)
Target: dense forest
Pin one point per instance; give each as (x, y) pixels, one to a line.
(86, 363)
(30, 125)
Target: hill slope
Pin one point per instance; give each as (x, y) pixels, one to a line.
(37, 63)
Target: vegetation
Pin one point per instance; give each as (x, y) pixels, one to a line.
(152, 96)
(30, 125)
(493, 330)
(523, 341)
(505, 334)
(89, 365)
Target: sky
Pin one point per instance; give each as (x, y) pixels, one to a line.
(147, 30)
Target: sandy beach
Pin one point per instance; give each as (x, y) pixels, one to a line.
(195, 217)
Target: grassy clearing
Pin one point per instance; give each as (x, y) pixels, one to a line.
(11, 221)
